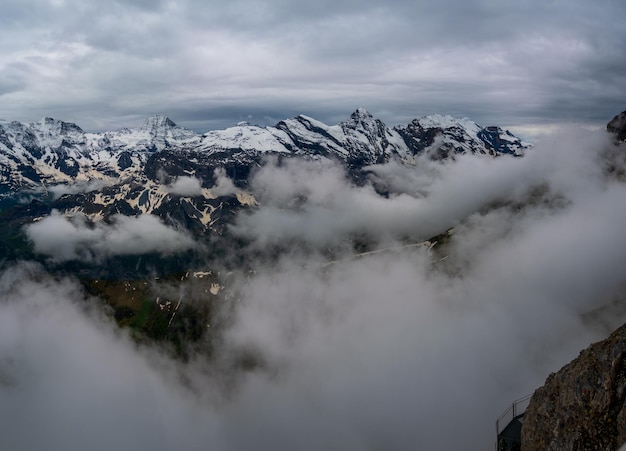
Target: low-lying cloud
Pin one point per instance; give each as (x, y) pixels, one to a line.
(80, 187)
(390, 350)
(186, 186)
(70, 380)
(313, 201)
(223, 186)
(75, 238)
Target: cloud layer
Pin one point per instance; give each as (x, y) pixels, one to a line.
(75, 238)
(313, 202)
(186, 186)
(69, 380)
(212, 66)
(387, 350)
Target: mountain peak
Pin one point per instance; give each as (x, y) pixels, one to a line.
(445, 121)
(57, 126)
(361, 118)
(617, 126)
(163, 128)
(158, 122)
(361, 113)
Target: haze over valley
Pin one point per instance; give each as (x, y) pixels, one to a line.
(336, 302)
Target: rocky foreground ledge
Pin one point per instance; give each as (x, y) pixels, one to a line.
(583, 406)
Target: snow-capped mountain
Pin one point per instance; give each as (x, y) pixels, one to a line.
(364, 140)
(134, 171)
(52, 151)
(441, 136)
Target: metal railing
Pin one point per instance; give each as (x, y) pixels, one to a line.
(516, 409)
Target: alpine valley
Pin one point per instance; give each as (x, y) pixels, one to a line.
(186, 189)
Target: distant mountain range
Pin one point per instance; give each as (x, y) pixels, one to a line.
(130, 171)
(52, 151)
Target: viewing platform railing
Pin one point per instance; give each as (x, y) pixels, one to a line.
(515, 410)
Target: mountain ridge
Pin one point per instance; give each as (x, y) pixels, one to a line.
(135, 171)
(57, 151)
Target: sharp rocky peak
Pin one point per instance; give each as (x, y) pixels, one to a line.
(617, 126)
(57, 126)
(360, 116)
(363, 120)
(158, 122)
(361, 113)
(163, 128)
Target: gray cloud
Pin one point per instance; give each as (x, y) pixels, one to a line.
(432, 196)
(79, 187)
(186, 186)
(69, 380)
(74, 238)
(104, 66)
(383, 351)
(223, 186)
(391, 349)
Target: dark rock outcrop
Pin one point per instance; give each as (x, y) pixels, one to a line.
(618, 126)
(582, 407)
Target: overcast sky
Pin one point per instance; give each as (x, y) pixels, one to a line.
(210, 64)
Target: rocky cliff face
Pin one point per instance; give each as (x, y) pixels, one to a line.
(618, 126)
(583, 406)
